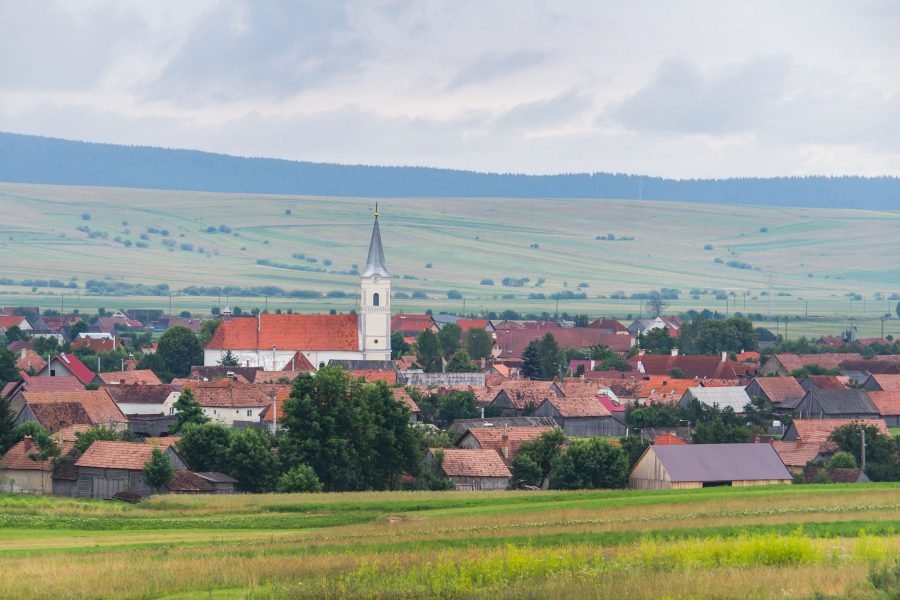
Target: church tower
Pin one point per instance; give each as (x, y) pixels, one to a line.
(375, 302)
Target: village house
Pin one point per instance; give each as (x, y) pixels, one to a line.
(271, 340)
(229, 402)
(783, 365)
(506, 441)
(824, 382)
(797, 454)
(14, 389)
(97, 344)
(818, 430)
(517, 398)
(775, 389)
(401, 395)
(107, 468)
(641, 326)
(68, 365)
(471, 470)
(581, 417)
(888, 405)
(136, 376)
(188, 482)
(882, 383)
(694, 367)
(149, 408)
(20, 473)
(57, 410)
(607, 325)
(511, 343)
(460, 426)
(708, 465)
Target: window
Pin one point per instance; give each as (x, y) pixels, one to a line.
(172, 410)
(376, 300)
(52, 372)
(249, 412)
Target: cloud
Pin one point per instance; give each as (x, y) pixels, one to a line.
(681, 98)
(489, 67)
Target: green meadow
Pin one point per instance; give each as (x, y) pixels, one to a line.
(810, 541)
(798, 262)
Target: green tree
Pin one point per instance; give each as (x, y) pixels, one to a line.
(428, 352)
(399, 347)
(352, 433)
(657, 341)
(807, 370)
(207, 329)
(155, 363)
(187, 410)
(77, 328)
(7, 425)
(551, 357)
(14, 334)
(541, 451)
(8, 370)
(842, 460)
(300, 478)
(454, 405)
(179, 349)
(718, 431)
(84, 439)
(158, 471)
(589, 464)
(479, 343)
(450, 338)
(760, 412)
(531, 361)
(461, 363)
(251, 461)
(882, 460)
(615, 363)
(46, 345)
(203, 446)
(229, 360)
(44, 448)
(710, 336)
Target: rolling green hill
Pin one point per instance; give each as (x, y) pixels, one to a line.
(808, 258)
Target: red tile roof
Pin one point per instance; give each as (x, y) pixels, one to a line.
(116, 455)
(140, 376)
(8, 322)
(281, 393)
(607, 323)
(97, 344)
(887, 383)
(792, 362)
(75, 367)
(53, 384)
(588, 406)
(523, 393)
(798, 452)
(818, 430)
(288, 332)
(467, 324)
(512, 342)
(411, 323)
(829, 382)
(668, 439)
(748, 357)
(139, 393)
(61, 409)
(389, 377)
(228, 393)
(31, 360)
(700, 367)
(17, 457)
(491, 438)
(779, 389)
(888, 403)
(460, 462)
(299, 363)
(401, 395)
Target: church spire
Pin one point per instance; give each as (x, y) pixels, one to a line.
(375, 262)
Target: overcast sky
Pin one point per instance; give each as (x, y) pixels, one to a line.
(681, 89)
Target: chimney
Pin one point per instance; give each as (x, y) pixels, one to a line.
(724, 356)
(23, 352)
(504, 444)
(27, 441)
(641, 352)
(674, 351)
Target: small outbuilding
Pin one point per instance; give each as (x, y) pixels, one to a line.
(581, 417)
(107, 468)
(470, 469)
(708, 465)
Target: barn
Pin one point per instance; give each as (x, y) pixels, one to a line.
(470, 469)
(708, 465)
(107, 468)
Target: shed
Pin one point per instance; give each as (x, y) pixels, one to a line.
(708, 465)
(517, 398)
(107, 468)
(888, 404)
(836, 404)
(582, 417)
(222, 483)
(471, 469)
(504, 440)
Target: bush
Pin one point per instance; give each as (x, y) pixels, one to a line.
(85, 216)
(427, 265)
(487, 282)
(454, 295)
(708, 247)
(301, 478)
(129, 497)
(842, 460)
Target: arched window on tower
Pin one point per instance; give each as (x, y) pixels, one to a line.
(376, 300)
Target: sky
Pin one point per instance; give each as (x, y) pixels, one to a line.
(678, 89)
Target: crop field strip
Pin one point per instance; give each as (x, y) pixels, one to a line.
(518, 545)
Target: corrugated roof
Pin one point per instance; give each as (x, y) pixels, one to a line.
(721, 462)
(734, 397)
(459, 462)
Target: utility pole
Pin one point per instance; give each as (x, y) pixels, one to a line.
(862, 449)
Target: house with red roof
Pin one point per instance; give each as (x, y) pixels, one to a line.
(470, 469)
(511, 343)
(68, 365)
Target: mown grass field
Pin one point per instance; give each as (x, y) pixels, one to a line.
(806, 261)
(832, 541)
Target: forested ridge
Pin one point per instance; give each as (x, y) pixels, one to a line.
(33, 159)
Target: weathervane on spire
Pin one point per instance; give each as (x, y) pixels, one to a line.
(376, 210)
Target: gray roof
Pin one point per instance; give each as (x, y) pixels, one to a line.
(463, 425)
(215, 477)
(841, 402)
(375, 262)
(363, 365)
(721, 462)
(734, 397)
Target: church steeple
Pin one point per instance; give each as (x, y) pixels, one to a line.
(375, 262)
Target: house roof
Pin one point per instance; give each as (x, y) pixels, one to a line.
(459, 462)
(525, 392)
(141, 376)
(401, 395)
(734, 397)
(668, 439)
(463, 425)
(31, 360)
(215, 477)
(75, 367)
(571, 406)
(280, 393)
(227, 393)
(827, 382)
(298, 364)
(411, 323)
(467, 324)
(607, 324)
(792, 362)
(888, 403)
(797, 453)
(189, 482)
(276, 377)
(693, 367)
(512, 342)
(137, 393)
(96, 344)
(721, 462)
(871, 366)
(10, 321)
(663, 388)
(17, 457)
(611, 404)
(779, 389)
(748, 357)
(842, 402)
(61, 409)
(287, 332)
(491, 438)
(130, 456)
(53, 384)
(502, 370)
(818, 430)
(887, 383)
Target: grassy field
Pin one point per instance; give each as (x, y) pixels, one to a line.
(832, 541)
(805, 263)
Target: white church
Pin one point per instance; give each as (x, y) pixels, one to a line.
(282, 342)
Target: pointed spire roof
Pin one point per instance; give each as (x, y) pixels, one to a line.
(375, 262)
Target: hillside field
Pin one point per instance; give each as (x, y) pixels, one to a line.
(806, 261)
(809, 541)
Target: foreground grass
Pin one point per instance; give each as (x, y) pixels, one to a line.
(794, 541)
